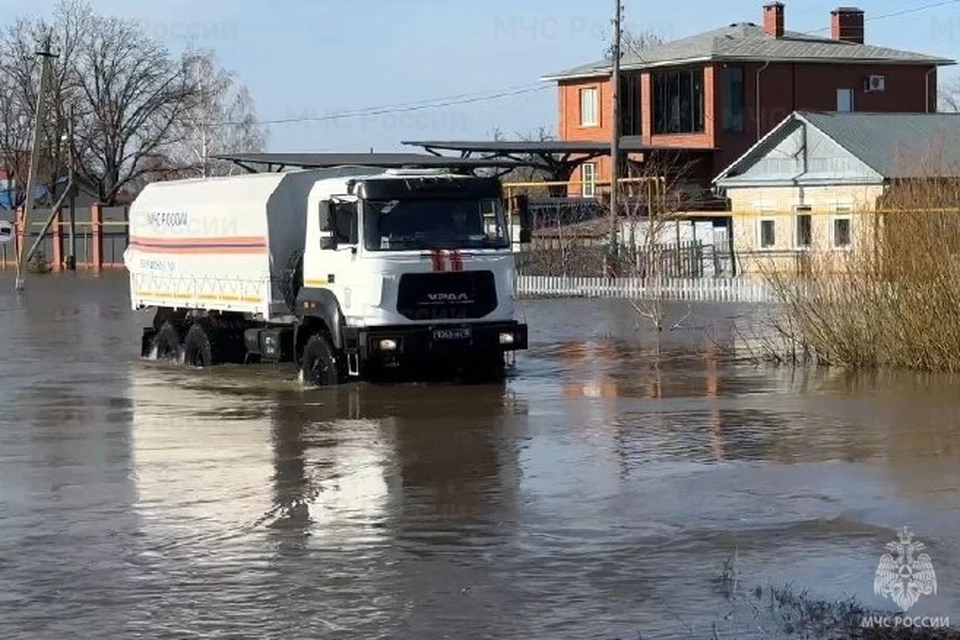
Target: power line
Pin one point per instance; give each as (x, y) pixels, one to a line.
(902, 12)
(471, 98)
(420, 105)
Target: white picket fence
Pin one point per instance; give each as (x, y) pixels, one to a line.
(689, 289)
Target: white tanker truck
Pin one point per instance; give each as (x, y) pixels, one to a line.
(346, 272)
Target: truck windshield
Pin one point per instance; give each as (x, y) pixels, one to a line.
(398, 225)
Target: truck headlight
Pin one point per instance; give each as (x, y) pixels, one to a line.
(387, 345)
(506, 338)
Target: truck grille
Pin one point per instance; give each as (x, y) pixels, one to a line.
(461, 295)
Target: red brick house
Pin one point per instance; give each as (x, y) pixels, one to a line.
(724, 89)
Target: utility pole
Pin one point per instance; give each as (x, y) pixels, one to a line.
(615, 141)
(72, 216)
(45, 56)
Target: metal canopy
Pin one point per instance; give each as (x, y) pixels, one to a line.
(628, 144)
(558, 158)
(281, 161)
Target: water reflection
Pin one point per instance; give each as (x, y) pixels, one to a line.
(208, 448)
(355, 482)
(595, 495)
(379, 456)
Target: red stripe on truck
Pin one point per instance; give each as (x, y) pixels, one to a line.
(456, 261)
(437, 258)
(236, 244)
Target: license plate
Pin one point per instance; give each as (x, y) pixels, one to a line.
(459, 333)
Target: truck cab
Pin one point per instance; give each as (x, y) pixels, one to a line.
(408, 269)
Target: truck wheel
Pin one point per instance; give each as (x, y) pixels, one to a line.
(197, 350)
(166, 343)
(318, 365)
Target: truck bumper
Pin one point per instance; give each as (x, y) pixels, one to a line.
(395, 344)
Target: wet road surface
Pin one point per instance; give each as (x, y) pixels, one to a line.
(592, 496)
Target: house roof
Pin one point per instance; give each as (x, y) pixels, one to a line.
(895, 145)
(748, 42)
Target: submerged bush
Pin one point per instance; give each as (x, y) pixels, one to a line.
(38, 264)
(894, 301)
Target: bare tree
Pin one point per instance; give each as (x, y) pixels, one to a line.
(140, 113)
(133, 95)
(632, 43)
(658, 190)
(19, 75)
(527, 173)
(950, 96)
(14, 140)
(221, 119)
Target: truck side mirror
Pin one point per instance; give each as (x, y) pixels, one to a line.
(328, 236)
(522, 207)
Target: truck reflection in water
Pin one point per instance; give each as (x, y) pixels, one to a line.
(215, 456)
(363, 460)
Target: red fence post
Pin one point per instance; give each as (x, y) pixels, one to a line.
(56, 261)
(96, 222)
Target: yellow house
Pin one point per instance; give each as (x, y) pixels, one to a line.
(811, 187)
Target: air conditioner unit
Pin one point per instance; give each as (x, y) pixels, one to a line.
(874, 83)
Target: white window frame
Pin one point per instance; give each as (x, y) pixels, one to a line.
(588, 188)
(802, 210)
(595, 107)
(841, 213)
(853, 102)
(760, 221)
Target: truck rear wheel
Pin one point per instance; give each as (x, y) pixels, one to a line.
(197, 350)
(319, 364)
(166, 344)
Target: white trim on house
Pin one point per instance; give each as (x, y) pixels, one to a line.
(783, 124)
(760, 220)
(841, 212)
(796, 116)
(847, 94)
(594, 110)
(588, 186)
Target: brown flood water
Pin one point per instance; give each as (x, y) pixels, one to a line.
(142, 500)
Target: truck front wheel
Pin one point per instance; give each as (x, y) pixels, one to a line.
(319, 365)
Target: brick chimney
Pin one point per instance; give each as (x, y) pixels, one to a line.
(846, 24)
(773, 19)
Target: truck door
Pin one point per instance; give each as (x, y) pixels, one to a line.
(339, 241)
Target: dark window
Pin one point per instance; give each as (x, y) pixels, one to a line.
(631, 119)
(678, 101)
(733, 99)
(345, 219)
(841, 232)
(768, 236)
(399, 225)
(804, 230)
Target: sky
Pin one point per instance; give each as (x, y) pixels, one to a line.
(318, 58)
